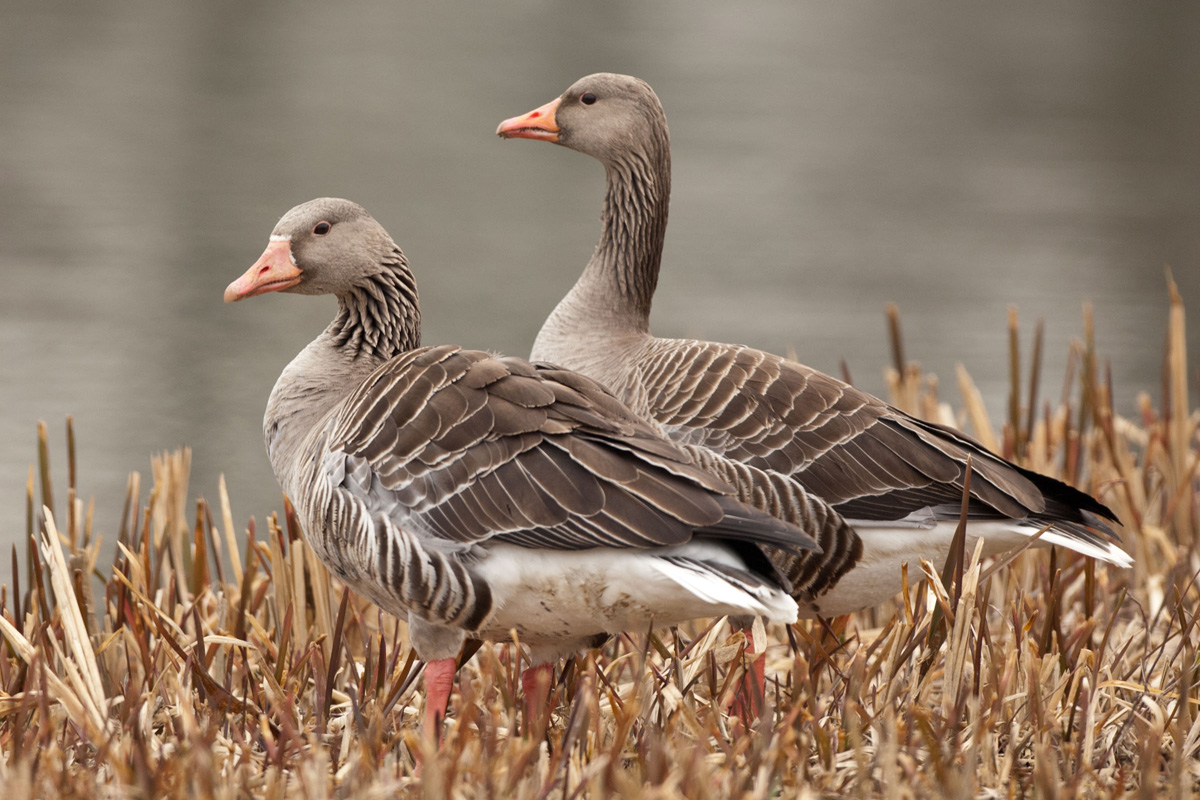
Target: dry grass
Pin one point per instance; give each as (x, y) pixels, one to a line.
(213, 661)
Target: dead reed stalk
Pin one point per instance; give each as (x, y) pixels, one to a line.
(214, 661)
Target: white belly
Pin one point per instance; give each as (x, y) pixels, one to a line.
(877, 577)
(557, 601)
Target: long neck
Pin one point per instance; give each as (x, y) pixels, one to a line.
(381, 317)
(620, 279)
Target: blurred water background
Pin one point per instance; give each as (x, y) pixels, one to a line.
(829, 157)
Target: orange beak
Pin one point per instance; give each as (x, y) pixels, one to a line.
(537, 124)
(273, 272)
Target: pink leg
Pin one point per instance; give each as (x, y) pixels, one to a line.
(747, 704)
(439, 679)
(536, 693)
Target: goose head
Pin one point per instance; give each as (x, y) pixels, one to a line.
(606, 116)
(324, 246)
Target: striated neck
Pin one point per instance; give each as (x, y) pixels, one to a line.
(379, 317)
(605, 317)
(604, 320)
(620, 279)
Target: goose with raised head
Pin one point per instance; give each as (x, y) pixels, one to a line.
(897, 480)
(477, 495)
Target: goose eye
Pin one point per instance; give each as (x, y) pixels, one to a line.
(321, 228)
(588, 99)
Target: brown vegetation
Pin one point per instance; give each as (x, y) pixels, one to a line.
(215, 661)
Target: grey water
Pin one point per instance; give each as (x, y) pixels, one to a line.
(956, 159)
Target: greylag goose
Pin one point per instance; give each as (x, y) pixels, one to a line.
(897, 480)
(477, 495)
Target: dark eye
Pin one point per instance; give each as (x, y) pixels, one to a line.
(321, 228)
(588, 99)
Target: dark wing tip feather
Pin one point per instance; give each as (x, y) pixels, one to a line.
(743, 523)
(1060, 496)
(1066, 507)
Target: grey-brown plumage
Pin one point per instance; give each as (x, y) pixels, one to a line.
(477, 494)
(898, 479)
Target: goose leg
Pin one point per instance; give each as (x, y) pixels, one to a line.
(535, 685)
(747, 703)
(750, 694)
(439, 679)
